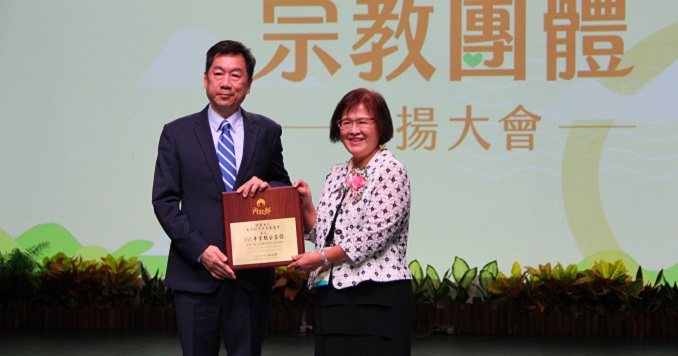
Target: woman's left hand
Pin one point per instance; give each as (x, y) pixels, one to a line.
(307, 262)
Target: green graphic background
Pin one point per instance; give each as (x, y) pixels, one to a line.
(85, 90)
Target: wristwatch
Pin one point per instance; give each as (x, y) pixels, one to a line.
(326, 262)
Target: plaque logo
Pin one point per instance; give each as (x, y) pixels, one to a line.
(261, 208)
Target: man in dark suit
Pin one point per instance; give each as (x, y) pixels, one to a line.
(187, 190)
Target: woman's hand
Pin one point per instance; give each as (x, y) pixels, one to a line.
(307, 262)
(304, 191)
(307, 207)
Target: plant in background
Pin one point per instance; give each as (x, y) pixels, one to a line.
(428, 287)
(488, 274)
(122, 280)
(660, 298)
(418, 282)
(292, 285)
(70, 282)
(17, 275)
(463, 276)
(436, 288)
(154, 292)
(554, 288)
(610, 288)
(509, 287)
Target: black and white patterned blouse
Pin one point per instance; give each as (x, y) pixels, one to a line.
(373, 230)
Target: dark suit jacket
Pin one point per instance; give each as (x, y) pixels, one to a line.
(187, 189)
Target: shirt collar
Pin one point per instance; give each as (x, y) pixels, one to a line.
(215, 120)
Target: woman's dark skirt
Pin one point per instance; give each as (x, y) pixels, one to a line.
(371, 318)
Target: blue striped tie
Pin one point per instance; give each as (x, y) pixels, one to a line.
(226, 154)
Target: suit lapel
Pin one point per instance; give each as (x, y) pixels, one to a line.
(251, 131)
(204, 137)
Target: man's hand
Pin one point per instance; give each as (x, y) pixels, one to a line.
(215, 262)
(252, 186)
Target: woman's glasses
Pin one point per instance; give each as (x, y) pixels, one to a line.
(346, 124)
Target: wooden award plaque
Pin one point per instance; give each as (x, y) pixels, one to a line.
(264, 231)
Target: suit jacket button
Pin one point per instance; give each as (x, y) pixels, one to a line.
(338, 232)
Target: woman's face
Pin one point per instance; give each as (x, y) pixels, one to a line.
(359, 135)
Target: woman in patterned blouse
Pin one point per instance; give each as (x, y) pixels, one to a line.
(360, 229)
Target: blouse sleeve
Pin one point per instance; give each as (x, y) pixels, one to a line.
(385, 213)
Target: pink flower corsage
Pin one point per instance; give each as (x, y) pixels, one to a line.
(354, 183)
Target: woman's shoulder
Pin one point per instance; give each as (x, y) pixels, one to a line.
(385, 160)
(338, 167)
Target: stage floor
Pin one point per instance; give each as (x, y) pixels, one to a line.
(166, 343)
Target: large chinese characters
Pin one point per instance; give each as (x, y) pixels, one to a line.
(488, 38)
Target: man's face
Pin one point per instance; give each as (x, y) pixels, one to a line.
(227, 83)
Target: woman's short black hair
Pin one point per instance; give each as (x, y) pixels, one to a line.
(375, 105)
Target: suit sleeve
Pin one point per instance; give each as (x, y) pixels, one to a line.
(167, 196)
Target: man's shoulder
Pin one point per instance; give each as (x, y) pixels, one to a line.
(259, 119)
(189, 120)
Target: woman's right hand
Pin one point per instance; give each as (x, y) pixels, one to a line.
(304, 191)
(307, 207)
